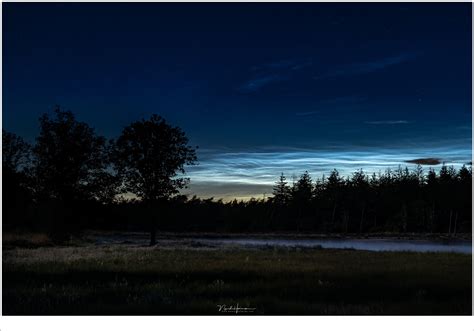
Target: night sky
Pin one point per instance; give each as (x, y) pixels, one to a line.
(260, 88)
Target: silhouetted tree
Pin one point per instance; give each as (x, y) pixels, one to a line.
(431, 179)
(447, 189)
(302, 194)
(432, 191)
(70, 167)
(68, 157)
(319, 186)
(281, 191)
(104, 186)
(149, 155)
(303, 189)
(465, 196)
(360, 194)
(334, 188)
(418, 174)
(465, 174)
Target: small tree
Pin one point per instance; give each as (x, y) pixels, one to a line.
(149, 155)
(419, 175)
(281, 191)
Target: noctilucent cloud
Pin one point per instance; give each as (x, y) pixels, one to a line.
(260, 88)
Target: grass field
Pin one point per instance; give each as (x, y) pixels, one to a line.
(125, 280)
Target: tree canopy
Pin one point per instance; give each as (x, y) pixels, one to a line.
(67, 158)
(149, 155)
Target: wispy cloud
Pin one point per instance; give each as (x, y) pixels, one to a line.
(367, 67)
(256, 84)
(387, 122)
(302, 65)
(252, 173)
(273, 72)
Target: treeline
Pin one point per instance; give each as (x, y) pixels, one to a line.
(393, 201)
(72, 179)
(399, 201)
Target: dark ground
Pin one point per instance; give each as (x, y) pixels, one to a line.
(85, 279)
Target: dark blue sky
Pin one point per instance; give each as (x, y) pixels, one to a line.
(261, 88)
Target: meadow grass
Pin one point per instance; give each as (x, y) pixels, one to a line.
(31, 240)
(156, 281)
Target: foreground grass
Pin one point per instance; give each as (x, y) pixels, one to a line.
(132, 280)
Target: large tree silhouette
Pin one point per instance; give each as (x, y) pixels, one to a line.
(68, 158)
(149, 155)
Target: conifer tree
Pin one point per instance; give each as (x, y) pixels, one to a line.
(281, 191)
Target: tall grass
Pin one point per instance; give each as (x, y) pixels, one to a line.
(127, 280)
